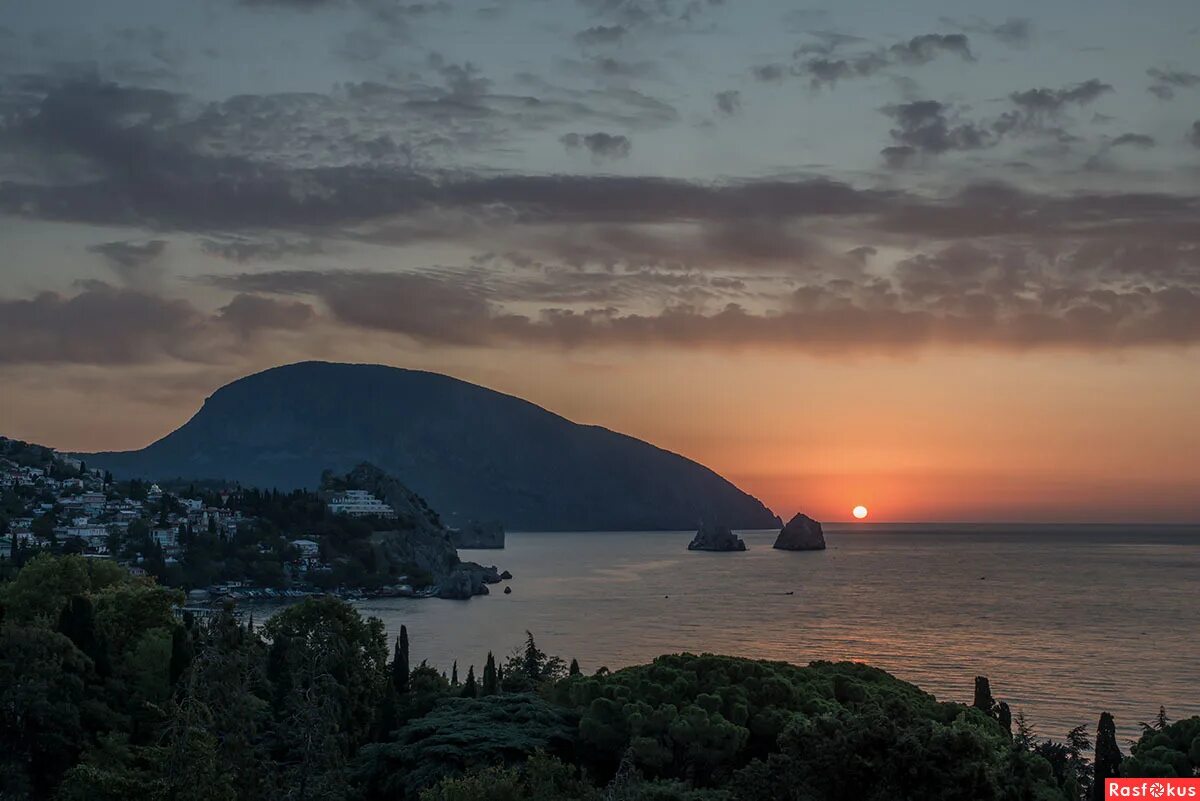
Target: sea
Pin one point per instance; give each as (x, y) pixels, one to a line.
(1066, 621)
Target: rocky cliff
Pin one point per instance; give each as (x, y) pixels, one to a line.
(478, 535)
(420, 544)
(801, 533)
(716, 538)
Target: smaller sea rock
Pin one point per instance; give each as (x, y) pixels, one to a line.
(716, 538)
(802, 533)
(508, 590)
(505, 576)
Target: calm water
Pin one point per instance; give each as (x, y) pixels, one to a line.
(1066, 621)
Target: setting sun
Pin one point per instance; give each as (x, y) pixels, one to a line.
(859, 512)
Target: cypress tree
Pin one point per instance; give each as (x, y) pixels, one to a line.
(470, 690)
(533, 658)
(1004, 715)
(400, 669)
(574, 669)
(77, 621)
(454, 674)
(181, 653)
(983, 696)
(490, 682)
(1107, 764)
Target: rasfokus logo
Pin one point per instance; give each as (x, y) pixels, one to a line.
(1151, 788)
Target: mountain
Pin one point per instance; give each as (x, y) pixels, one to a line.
(473, 453)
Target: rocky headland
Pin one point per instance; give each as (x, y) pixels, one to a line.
(421, 544)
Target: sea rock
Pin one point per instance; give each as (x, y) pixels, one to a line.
(466, 580)
(508, 590)
(476, 534)
(505, 576)
(801, 533)
(716, 538)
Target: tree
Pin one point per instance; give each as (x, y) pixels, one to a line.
(181, 653)
(1160, 723)
(43, 679)
(984, 701)
(454, 674)
(469, 689)
(78, 622)
(334, 647)
(574, 669)
(1079, 769)
(1107, 763)
(533, 658)
(1004, 715)
(46, 583)
(400, 666)
(490, 681)
(1173, 751)
(1025, 736)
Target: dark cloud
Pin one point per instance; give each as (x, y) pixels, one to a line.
(465, 81)
(927, 126)
(729, 102)
(829, 68)
(601, 145)
(933, 127)
(769, 73)
(102, 152)
(635, 13)
(243, 249)
(425, 308)
(247, 314)
(135, 263)
(1141, 141)
(607, 67)
(925, 48)
(1194, 135)
(1165, 82)
(897, 156)
(601, 35)
(963, 295)
(102, 324)
(1052, 101)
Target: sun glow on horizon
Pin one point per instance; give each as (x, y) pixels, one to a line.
(859, 512)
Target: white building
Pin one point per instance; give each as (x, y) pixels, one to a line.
(358, 503)
(308, 549)
(166, 537)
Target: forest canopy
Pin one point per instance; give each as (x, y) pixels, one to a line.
(109, 693)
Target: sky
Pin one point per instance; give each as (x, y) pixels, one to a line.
(938, 258)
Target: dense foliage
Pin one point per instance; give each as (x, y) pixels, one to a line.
(107, 694)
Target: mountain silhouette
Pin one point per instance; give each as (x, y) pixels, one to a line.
(473, 453)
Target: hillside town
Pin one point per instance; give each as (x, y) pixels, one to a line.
(215, 542)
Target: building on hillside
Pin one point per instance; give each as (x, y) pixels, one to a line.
(358, 503)
(308, 549)
(167, 537)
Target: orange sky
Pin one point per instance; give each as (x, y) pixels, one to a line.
(941, 435)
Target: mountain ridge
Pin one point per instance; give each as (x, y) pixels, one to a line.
(473, 452)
